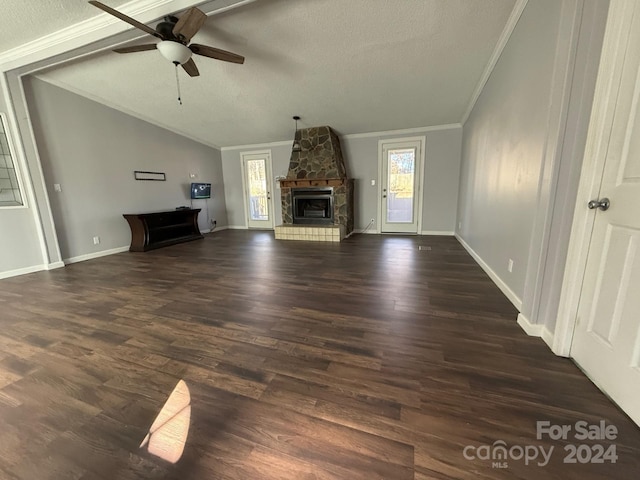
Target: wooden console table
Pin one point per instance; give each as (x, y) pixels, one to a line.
(161, 229)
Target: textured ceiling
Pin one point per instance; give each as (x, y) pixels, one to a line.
(358, 65)
(26, 20)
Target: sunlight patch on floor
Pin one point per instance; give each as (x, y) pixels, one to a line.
(168, 433)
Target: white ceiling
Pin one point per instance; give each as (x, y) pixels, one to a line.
(357, 65)
(26, 20)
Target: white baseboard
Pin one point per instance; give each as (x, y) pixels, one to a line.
(237, 227)
(534, 330)
(364, 231)
(437, 232)
(22, 271)
(34, 268)
(528, 327)
(424, 232)
(89, 256)
(547, 336)
(513, 298)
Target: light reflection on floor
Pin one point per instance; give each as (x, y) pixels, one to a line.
(168, 433)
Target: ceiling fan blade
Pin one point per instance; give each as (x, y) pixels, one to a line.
(136, 48)
(216, 53)
(189, 23)
(124, 18)
(190, 67)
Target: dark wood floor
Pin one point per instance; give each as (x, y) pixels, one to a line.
(361, 360)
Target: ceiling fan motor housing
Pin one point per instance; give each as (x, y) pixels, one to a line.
(165, 28)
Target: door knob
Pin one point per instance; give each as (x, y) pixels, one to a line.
(603, 204)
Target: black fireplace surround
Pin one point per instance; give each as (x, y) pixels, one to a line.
(312, 205)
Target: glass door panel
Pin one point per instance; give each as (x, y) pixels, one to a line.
(256, 174)
(400, 185)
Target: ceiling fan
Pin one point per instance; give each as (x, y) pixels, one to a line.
(174, 35)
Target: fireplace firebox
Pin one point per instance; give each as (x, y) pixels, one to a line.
(312, 205)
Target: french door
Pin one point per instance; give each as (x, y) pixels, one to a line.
(400, 185)
(256, 182)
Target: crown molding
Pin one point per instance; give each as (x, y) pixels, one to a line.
(253, 146)
(101, 26)
(80, 34)
(385, 133)
(516, 13)
(404, 131)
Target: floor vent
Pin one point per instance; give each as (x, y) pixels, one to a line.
(424, 247)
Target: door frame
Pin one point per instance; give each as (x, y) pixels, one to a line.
(609, 73)
(422, 140)
(270, 184)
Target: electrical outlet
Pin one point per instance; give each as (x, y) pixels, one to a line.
(57, 187)
(96, 240)
(510, 266)
(373, 183)
(459, 225)
(373, 220)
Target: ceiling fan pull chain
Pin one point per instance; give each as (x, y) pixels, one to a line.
(178, 84)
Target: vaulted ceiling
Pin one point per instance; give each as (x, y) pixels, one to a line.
(357, 65)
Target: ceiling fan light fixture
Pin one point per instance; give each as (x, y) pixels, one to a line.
(175, 52)
(296, 147)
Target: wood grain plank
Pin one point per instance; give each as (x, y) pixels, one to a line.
(364, 359)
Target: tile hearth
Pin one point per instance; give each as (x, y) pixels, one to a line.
(314, 233)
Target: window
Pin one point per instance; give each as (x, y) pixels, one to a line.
(10, 195)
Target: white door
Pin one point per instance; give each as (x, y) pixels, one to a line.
(401, 173)
(256, 176)
(606, 342)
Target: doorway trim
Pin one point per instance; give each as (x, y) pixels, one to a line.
(422, 140)
(269, 174)
(609, 72)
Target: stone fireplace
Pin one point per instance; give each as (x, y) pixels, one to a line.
(317, 195)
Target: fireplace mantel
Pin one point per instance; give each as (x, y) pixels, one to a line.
(312, 182)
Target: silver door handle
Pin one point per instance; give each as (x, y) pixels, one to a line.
(603, 204)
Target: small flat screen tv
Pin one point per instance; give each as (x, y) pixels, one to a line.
(200, 190)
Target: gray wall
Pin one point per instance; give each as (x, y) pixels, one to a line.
(19, 243)
(92, 150)
(504, 143)
(522, 150)
(441, 174)
(232, 173)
